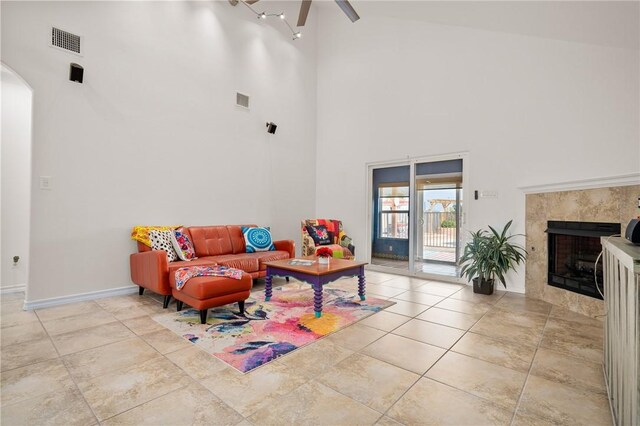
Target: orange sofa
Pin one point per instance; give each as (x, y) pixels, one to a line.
(214, 245)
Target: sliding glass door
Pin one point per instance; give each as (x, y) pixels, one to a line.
(438, 187)
(416, 217)
(390, 227)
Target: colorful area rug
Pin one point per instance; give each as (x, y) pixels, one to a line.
(270, 329)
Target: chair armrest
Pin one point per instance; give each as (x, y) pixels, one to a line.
(286, 245)
(351, 247)
(150, 270)
(308, 245)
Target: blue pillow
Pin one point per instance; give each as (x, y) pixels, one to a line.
(257, 239)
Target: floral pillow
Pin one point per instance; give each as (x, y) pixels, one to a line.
(319, 234)
(161, 240)
(183, 245)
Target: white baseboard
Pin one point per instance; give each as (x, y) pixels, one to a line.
(13, 289)
(406, 273)
(63, 300)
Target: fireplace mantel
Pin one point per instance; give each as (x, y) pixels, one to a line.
(576, 185)
(615, 204)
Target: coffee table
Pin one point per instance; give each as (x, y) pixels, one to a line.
(317, 275)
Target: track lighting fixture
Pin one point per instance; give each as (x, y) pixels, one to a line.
(264, 15)
(344, 5)
(271, 127)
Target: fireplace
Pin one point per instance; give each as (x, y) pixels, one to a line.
(573, 250)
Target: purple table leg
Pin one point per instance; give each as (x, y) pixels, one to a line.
(317, 299)
(267, 287)
(361, 284)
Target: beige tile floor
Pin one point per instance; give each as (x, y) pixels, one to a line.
(441, 355)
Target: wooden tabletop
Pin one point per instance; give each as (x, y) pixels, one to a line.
(335, 265)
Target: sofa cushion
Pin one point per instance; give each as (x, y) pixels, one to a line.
(237, 237)
(257, 239)
(202, 288)
(211, 240)
(238, 261)
(268, 256)
(161, 240)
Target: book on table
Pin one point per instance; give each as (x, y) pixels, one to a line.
(301, 262)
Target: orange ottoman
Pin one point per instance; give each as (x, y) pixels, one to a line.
(203, 293)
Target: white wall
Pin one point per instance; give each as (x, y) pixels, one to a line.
(15, 178)
(153, 135)
(527, 110)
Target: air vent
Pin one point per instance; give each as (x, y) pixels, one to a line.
(65, 40)
(242, 100)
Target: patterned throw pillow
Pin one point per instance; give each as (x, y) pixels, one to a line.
(257, 239)
(183, 245)
(345, 241)
(161, 240)
(319, 234)
(141, 233)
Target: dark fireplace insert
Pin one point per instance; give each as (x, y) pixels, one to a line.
(573, 250)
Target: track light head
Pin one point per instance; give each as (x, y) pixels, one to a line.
(297, 35)
(271, 127)
(262, 16)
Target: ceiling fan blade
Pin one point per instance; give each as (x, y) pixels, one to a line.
(304, 11)
(251, 1)
(348, 10)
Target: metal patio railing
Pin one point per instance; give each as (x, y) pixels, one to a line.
(439, 229)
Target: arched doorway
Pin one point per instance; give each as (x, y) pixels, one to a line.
(15, 191)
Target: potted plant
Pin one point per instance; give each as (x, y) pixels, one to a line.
(324, 254)
(490, 255)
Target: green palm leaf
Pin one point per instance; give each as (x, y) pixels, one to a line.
(490, 255)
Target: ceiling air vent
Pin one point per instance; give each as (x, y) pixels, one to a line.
(242, 100)
(65, 40)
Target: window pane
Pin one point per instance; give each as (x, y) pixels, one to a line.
(393, 191)
(394, 204)
(394, 225)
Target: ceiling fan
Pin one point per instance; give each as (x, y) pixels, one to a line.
(306, 5)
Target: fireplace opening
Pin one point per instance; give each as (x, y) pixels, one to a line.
(573, 250)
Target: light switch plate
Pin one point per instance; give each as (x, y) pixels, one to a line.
(488, 194)
(45, 183)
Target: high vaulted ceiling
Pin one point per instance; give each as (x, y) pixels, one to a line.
(608, 23)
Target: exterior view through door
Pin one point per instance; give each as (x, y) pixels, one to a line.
(416, 217)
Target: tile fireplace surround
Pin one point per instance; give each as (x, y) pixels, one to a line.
(615, 204)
